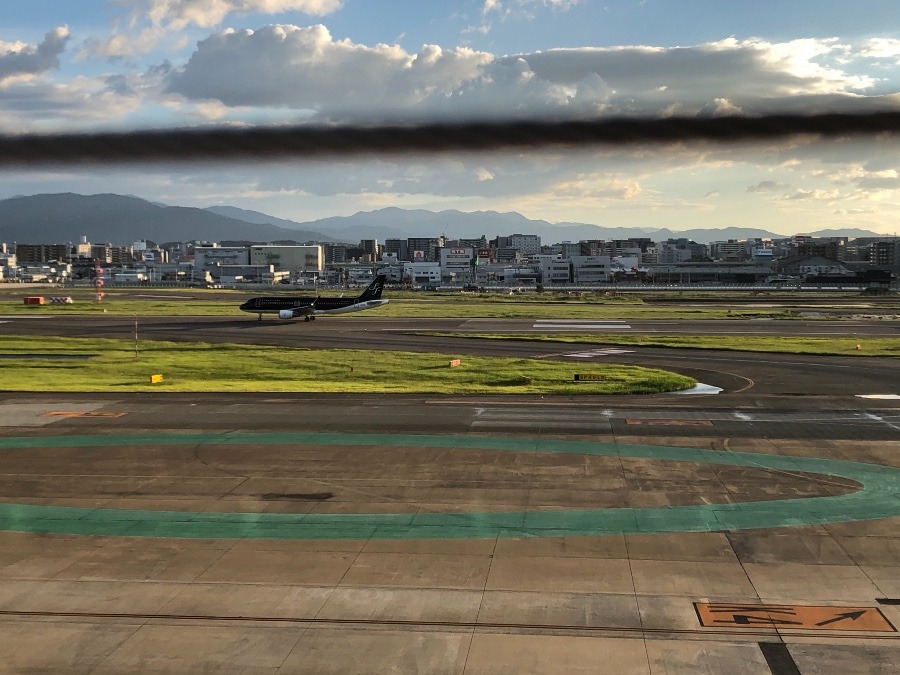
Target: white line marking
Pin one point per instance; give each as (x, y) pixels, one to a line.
(581, 326)
(700, 389)
(544, 424)
(577, 321)
(598, 352)
(744, 416)
(878, 418)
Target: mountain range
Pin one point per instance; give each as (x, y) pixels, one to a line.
(119, 219)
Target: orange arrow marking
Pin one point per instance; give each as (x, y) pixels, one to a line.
(808, 617)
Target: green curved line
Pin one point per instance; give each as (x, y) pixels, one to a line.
(879, 496)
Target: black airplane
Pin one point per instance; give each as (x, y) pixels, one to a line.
(287, 307)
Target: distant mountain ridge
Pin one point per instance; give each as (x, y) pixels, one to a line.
(118, 219)
(66, 217)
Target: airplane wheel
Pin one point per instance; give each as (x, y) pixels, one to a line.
(306, 319)
(312, 318)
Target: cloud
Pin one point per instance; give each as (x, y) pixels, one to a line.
(769, 186)
(511, 6)
(801, 195)
(306, 69)
(20, 61)
(82, 104)
(178, 14)
(483, 174)
(153, 21)
(597, 186)
(712, 194)
(881, 48)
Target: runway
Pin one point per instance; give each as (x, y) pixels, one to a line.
(754, 530)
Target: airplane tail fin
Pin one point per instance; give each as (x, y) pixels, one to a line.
(373, 292)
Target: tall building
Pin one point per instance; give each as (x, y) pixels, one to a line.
(731, 250)
(822, 248)
(885, 252)
(592, 247)
(422, 249)
(28, 254)
(526, 244)
(335, 253)
(370, 249)
(397, 247)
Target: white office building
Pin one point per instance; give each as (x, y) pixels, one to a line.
(456, 263)
(590, 269)
(212, 258)
(422, 272)
(292, 259)
(556, 271)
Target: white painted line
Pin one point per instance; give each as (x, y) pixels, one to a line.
(883, 397)
(876, 418)
(514, 415)
(577, 321)
(598, 352)
(744, 416)
(530, 424)
(700, 389)
(586, 326)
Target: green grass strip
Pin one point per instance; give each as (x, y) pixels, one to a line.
(824, 346)
(120, 367)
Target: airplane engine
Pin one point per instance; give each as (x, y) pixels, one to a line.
(286, 314)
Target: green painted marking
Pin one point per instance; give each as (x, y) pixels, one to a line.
(879, 497)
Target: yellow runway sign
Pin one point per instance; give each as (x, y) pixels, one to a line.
(807, 617)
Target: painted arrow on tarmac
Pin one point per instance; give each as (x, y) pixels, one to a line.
(843, 615)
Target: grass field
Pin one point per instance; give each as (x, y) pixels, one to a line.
(457, 306)
(117, 366)
(870, 346)
(687, 304)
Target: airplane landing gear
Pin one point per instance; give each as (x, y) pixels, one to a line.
(259, 318)
(306, 319)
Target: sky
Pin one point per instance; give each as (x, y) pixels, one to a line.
(100, 65)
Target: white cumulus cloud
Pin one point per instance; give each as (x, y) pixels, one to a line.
(150, 22)
(177, 14)
(307, 69)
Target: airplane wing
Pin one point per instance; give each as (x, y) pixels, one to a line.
(297, 312)
(305, 311)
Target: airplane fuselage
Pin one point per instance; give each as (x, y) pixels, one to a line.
(287, 307)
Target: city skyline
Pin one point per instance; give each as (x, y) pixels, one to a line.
(94, 65)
